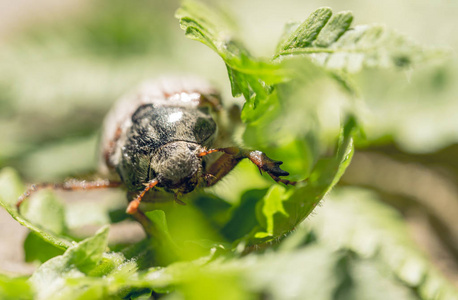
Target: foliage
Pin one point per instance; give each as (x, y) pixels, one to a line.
(249, 240)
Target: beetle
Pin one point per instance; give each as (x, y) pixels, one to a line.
(171, 134)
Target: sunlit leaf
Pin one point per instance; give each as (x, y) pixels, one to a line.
(10, 179)
(45, 210)
(80, 259)
(354, 219)
(37, 250)
(295, 106)
(249, 76)
(282, 210)
(15, 288)
(331, 42)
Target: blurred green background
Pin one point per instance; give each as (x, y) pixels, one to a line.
(63, 64)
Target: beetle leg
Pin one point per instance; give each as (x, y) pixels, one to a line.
(69, 185)
(220, 168)
(268, 165)
(133, 205)
(233, 155)
(110, 150)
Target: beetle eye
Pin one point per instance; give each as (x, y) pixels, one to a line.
(204, 128)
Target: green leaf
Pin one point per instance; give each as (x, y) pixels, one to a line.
(213, 28)
(88, 253)
(159, 222)
(332, 43)
(254, 78)
(282, 210)
(15, 288)
(337, 25)
(36, 249)
(308, 31)
(166, 251)
(271, 211)
(214, 209)
(315, 265)
(367, 280)
(8, 198)
(373, 230)
(45, 210)
(288, 30)
(79, 260)
(243, 216)
(265, 107)
(249, 76)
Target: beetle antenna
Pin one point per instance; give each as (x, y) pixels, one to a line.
(69, 185)
(133, 205)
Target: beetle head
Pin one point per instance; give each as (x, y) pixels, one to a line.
(177, 166)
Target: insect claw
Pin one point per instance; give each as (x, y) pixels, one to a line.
(279, 172)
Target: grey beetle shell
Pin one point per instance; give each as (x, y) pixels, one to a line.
(157, 132)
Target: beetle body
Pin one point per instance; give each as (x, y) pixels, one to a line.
(158, 131)
(160, 136)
